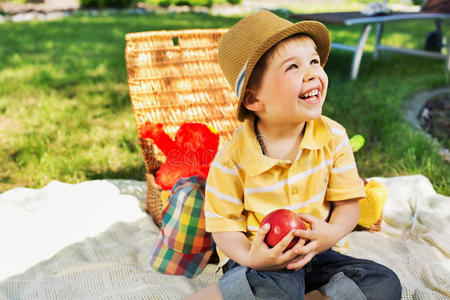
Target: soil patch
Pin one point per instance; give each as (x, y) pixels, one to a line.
(428, 112)
(434, 118)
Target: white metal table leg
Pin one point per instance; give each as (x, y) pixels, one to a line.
(447, 59)
(359, 51)
(378, 35)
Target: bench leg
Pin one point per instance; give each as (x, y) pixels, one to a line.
(447, 44)
(359, 51)
(378, 35)
(447, 59)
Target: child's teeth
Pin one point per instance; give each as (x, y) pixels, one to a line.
(311, 93)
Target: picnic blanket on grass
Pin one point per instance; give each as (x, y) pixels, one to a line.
(92, 241)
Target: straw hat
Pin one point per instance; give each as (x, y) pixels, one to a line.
(244, 44)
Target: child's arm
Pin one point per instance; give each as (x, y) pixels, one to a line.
(256, 255)
(323, 235)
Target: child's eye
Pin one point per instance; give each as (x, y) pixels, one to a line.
(315, 61)
(291, 67)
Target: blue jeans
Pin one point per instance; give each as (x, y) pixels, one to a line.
(336, 275)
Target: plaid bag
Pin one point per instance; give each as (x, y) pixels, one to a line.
(183, 246)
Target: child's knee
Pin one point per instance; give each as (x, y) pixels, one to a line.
(386, 285)
(395, 286)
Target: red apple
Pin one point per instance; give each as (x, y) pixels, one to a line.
(282, 221)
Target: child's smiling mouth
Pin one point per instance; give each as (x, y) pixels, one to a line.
(311, 96)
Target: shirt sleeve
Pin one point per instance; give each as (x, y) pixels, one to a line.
(224, 206)
(344, 182)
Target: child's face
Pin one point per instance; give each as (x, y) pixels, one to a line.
(294, 85)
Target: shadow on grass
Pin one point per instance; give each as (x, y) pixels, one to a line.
(137, 173)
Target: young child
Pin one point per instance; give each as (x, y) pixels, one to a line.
(286, 155)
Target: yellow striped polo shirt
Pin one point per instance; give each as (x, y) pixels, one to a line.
(244, 185)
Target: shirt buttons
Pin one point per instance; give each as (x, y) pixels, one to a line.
(294, 190)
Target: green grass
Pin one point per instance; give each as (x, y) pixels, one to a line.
(65, 113)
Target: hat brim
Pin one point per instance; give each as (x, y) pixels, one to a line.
(168, 261)
(315, 30)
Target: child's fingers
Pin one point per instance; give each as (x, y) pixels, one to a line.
(290, 254)
(261, 234)
(310, 219)
(294, 260)
(282, 245)
(306, 234)
(301, 262)
(300, 242)
(310, 247)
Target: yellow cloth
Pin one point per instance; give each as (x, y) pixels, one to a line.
(164, 196)
(244, 185)
(371, 207)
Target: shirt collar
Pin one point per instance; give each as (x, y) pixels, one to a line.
(255, 162)
(317, 134)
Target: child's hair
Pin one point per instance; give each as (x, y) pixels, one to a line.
(256, 77)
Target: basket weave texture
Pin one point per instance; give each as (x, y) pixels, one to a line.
(174, 77)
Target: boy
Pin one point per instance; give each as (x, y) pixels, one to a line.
(286, 155)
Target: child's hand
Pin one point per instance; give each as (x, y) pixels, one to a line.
(261, 257)
(321, 237)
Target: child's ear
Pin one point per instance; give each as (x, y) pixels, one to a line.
(250, 101)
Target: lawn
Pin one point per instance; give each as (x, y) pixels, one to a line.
(65, 113)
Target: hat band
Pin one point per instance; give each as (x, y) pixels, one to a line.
(240, 80)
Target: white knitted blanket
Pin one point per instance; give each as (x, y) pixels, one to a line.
(92, 241)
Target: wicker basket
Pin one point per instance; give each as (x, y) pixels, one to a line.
(174, 77)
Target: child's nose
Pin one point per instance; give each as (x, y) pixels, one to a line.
(310, 74)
